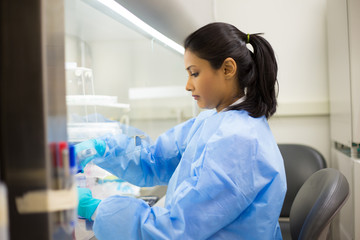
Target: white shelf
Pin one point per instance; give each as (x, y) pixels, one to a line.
(79, 132)
(95, 100)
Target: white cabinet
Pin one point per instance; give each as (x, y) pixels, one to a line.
(339, 75)
(344, 70)
(344, 89)
(356, 196)
(354, 47)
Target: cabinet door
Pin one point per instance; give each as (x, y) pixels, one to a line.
(339, 74)
(354, 43)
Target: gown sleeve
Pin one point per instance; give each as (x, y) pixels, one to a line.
(219, 189)
(142, 164)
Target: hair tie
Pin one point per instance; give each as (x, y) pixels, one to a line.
(248, 38)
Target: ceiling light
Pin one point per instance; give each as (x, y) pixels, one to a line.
(123, 12)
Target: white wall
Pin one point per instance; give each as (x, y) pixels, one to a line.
(297, 31)
(307, 130)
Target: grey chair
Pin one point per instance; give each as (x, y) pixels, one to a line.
(318, 201)
(300, 163)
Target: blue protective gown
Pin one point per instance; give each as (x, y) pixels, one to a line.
(225, 178)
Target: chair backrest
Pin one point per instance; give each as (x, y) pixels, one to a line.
(316, 204)
(300, 163)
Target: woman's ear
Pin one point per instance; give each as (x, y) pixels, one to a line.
(230, 67)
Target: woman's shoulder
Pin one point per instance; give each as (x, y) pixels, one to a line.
(239, 122)
(243, 117)
(232, 122)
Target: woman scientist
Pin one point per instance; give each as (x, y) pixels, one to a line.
(224, 171)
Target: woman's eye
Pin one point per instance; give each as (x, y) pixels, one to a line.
(195, 74)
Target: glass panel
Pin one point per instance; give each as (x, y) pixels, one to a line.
(118, 73)
(118, 79)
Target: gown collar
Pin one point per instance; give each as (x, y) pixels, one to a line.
(240, 100)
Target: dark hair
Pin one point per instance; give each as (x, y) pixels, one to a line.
(256, 71)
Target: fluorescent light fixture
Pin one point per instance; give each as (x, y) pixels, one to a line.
(117, 8)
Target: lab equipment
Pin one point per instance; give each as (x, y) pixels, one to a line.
(63, 160)
(83, 104)
(72, 161)
(87, 204)
(88, 150)
(86, 153)
(225, 178)
(103, 184)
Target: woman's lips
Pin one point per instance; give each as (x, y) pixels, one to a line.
(196, 97)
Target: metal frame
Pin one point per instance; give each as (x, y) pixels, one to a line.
(32, 101)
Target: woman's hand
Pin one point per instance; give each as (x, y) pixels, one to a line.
(88, 150)
(87, 204)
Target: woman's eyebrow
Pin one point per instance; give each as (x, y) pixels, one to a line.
(188, 68)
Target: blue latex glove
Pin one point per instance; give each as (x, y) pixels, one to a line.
(88, 150)
(87, 204)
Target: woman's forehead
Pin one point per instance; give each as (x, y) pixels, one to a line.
(192, 60)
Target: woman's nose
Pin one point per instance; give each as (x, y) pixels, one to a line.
(189, 87)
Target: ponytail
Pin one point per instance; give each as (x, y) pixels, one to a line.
(256, 71)
(260, 90)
